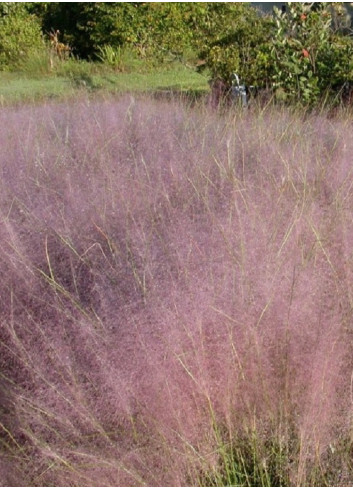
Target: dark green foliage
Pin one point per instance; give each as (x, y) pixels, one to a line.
(87, 26)
(150, 28)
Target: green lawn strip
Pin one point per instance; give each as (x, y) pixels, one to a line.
(21, 89)
(164, 80)
(16, 88)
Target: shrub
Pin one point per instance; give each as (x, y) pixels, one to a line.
(20, 36)
(234, 38)
(303, 54)
(309, 55)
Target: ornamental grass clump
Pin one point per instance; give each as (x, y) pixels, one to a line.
(176, 296)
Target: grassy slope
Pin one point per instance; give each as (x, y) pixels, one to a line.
(17, 87)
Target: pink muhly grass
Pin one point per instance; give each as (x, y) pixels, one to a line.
(173, 281)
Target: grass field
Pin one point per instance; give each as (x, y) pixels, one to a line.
(176, 297)
(79, 79)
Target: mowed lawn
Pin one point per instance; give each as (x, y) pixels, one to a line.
(18, 87)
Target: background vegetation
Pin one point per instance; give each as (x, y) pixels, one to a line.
(302, 55)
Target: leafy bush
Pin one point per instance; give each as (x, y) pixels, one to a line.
(303, 54)
(309, 55)
(232, 38)
(20, 35)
